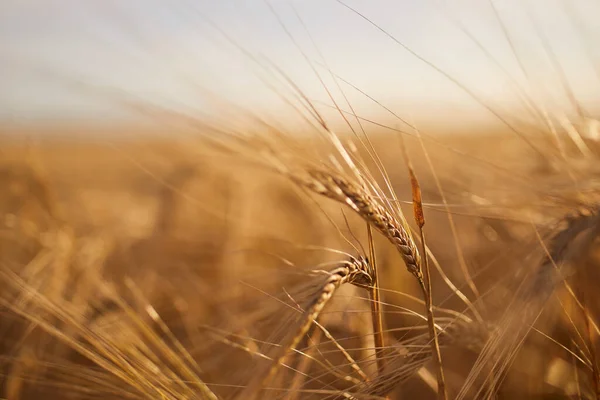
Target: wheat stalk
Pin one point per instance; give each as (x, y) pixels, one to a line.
(357, 272)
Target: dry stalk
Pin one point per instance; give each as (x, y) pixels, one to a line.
(400, 367)
(353, 364)
(304, 365)
(137, 356)
(355, 271)
(336, 187)
(375, 300)
(426, 283)
(405, 361)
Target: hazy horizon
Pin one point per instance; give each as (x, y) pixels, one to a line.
(65, 60)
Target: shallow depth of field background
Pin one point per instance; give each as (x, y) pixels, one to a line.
(107, 198)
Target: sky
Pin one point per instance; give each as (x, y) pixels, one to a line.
(70, 59)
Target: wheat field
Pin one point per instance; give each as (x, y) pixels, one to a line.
(238, 259)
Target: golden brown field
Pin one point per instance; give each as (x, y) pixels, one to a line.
(184, 269)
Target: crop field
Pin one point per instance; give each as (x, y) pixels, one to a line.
(240, 257)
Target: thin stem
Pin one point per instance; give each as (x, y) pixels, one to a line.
(424, 277)
(304, 365)
(376, 315)
(435, 346)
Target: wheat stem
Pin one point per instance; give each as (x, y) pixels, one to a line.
(356, 272)
(375, 300)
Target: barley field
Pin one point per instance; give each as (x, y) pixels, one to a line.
(238, 256)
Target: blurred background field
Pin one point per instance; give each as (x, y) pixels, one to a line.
(154, 245)
(207, 239)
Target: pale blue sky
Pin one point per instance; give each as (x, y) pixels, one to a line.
(164, 51)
